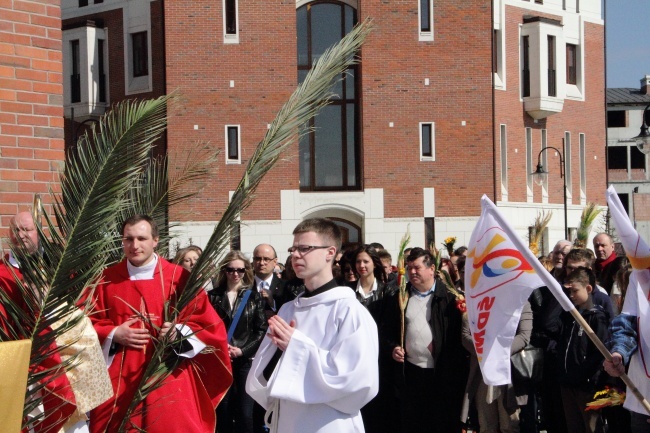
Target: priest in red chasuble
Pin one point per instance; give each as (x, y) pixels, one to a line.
(144, 286)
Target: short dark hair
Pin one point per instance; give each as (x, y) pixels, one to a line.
(376, 245)
(582, 275)
(132, 220)
(460, 251)
(418, 252)
(323, 227)
(580, 255)
(384, 254)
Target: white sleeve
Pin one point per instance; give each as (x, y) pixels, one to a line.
(106, 348)
(345, 377)
(197, 345)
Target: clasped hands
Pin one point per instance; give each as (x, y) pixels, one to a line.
(137, 338)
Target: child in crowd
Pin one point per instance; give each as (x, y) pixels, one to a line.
(579, 359)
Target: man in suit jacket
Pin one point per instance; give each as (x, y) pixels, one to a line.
(266, 282)
(433, 363)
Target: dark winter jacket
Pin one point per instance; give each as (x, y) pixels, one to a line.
(579, 361)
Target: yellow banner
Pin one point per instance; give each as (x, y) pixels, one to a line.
(14, 366)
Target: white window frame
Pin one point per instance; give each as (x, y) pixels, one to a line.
(228, 159)
(583, 168)
(424, 36)
(567, 166)
(503, 146)
(227, 37)
(544, 164)
(529, 164)
(433, 141)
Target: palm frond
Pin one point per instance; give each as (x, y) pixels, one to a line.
(155, 191)
(106, 162)
(535, 235)
(587, 219)
(310, 96)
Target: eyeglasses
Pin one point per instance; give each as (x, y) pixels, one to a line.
(233, 270)
(304, 249)
(263, 259)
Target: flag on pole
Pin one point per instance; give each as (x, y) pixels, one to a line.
(500, 274)
(637, 296)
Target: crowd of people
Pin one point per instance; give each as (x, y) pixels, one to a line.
(432, 362)
(323, 343)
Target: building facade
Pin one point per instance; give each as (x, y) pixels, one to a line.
(31, 114)
(451, 100)
(627, 166)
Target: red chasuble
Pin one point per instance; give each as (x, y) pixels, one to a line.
(58, 399)
(187, 399)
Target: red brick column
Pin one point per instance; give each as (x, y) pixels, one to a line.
(31, 103)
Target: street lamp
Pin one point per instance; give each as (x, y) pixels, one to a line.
(643, 139)
(540, 175)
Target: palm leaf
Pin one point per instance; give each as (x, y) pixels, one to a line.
(535, 235)
(105, 163)
(587, 218)
(310, 96)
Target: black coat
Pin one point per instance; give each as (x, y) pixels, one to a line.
(376, 303)
(252, 324)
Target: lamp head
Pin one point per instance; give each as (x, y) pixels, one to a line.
(539, 175)
(643, 139)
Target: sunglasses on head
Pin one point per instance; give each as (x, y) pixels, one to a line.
(233, 270)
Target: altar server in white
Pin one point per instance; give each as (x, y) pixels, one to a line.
(317, 366)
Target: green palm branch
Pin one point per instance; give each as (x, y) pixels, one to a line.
(310, 96)
(105, 164)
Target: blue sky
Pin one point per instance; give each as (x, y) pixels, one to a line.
(628, 41)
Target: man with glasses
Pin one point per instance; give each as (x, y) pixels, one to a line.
(317, 366)
(270, 286)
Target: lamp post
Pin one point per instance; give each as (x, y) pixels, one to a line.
(643, 139)
(539, 175)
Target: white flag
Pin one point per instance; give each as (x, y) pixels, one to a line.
(500, 274)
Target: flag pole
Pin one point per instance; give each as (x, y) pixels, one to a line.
(608, 356)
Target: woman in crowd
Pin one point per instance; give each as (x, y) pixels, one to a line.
(371, 289)
(187, 257)
(233, 292)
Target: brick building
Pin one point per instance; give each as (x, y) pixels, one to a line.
(451, 100)
(627, 166)
(31, 114)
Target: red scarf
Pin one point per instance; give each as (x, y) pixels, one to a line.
(603, 264)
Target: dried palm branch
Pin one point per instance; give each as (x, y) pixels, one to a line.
(310, 96)
(535, 235)
(105, 163)
(402, 294)
(587, 219)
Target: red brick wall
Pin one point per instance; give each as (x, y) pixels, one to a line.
(200, 67)
(576, 117)
(31, 113)
(394, 66)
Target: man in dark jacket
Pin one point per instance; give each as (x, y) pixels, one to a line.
(433, 364)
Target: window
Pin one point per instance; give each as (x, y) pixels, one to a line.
(427, 142)
(83, 3)
(583, 169)
(504, 163)
(544, 164)
(233, 148)
(637, 158)
(230, 21)
(567, 165)
(617, 157)
(140, 57)
(525, 73)
(333, 139)
(552, 89)
(102, 72)
(495, 51)
(625, 201)
(425, 16)
(529, 164)
(75, 76)
(617, 119)
(571, 64)
(429, 231)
